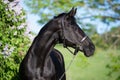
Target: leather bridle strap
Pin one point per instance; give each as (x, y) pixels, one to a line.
(83, 39)
(67, 67)
(65, 46)
(64, 43)
(76, 47)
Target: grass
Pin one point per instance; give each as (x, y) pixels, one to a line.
(88, 68)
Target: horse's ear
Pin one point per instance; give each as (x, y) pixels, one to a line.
(72, 12)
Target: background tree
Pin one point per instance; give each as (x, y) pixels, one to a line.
(107, 11)
(13, 41)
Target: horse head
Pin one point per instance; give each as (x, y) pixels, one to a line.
(70, 34)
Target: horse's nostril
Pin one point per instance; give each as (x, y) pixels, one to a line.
(93, 47)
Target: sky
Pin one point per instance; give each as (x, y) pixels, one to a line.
(32, 19)
(35, 27)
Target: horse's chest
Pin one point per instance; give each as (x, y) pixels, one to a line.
(48, 70)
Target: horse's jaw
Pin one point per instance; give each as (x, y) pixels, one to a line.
(89, 51)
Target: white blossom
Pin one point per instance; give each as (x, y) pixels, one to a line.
(7, 51)
(15, 33)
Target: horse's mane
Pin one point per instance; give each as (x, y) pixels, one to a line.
(60, 15)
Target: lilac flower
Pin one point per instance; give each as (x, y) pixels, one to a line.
(6, 51)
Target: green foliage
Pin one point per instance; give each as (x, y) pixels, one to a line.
(99, 41)
(110, 41)
(9, 67)
(112, 38)
(48, 8)
(9, 25)
(13, 42)
(114, 66)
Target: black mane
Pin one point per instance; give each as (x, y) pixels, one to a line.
(60, 15)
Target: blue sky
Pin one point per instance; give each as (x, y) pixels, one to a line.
(35, 27)
(31, 19)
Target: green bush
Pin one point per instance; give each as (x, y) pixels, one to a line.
(114, 66)
(99, 41)
(13, 42)
(9, 67)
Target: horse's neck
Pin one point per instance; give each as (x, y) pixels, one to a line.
(43, 44)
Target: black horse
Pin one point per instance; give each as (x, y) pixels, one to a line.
(42, 61)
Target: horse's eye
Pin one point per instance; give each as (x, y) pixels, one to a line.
(72, 22)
